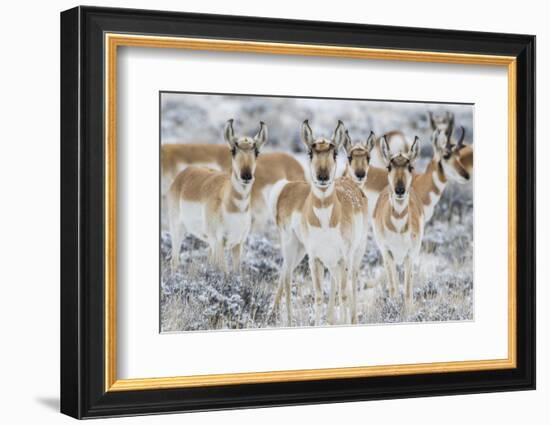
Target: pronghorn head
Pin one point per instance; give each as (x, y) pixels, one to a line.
(447, 153)
(244, 151)
(443, 121)
(400, 168)
(358, 157)
(322, 154)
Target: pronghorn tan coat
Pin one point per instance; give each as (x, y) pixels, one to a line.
(328, 221)
(271, 168)
(215, 206)
(398, 219)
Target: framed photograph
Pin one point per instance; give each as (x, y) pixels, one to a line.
(261, 212)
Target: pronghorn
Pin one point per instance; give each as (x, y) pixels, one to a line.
(446, 164)
(429, 186)
(443, 121)
(271, 168)
(326, 219)
(398, 217)
(215, 206)
(358, 156)
(397, 142)
(377, 177)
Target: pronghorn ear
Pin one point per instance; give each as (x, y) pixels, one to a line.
(261, 137)
(347, 143)
(369, 143)
(385, 148)
(307, 134)
(339, 136)
(415, 148)
(431, 119)
(229, 134)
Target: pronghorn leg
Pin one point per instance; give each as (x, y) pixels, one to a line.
(280, 288)
(408, 269)
(332, 298)
(356, 265)
(284, 286)
(317, 272)
(343, 276)
(293, 252)
(218, 256)
(353, 299)
(236, 252)
(391, 272)
(176, 234)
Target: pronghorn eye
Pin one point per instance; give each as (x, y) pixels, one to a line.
(447, 156)
(389, 167)
(256, 152)
(335, 154)
(349, 159)
(233, 151)
(411, 168)
(310, 154)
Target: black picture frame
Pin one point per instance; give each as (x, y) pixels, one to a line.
(83, 392)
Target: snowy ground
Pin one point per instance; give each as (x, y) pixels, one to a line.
(197, 297)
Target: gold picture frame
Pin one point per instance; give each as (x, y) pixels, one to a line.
(114, 41)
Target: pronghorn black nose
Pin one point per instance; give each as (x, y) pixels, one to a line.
(323, 176)
(360, 174)
(400, 190)
(246, 175)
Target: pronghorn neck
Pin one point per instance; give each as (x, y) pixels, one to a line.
(238, 195)
(398, 219)
(438, 178)
(399, 207)
(322, 206)
(323, 196)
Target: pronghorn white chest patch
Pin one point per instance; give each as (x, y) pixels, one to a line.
(326, 244)
(324, 215)
(400, 245)
(237, 226)
(398, 223)
(241, 204)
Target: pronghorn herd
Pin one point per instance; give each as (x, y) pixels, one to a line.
(220, 193)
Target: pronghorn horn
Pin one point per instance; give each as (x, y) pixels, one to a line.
(431, 117)
(414, 149)
(347, 142)
(460, 142)
(448, 142)
(451, 125)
